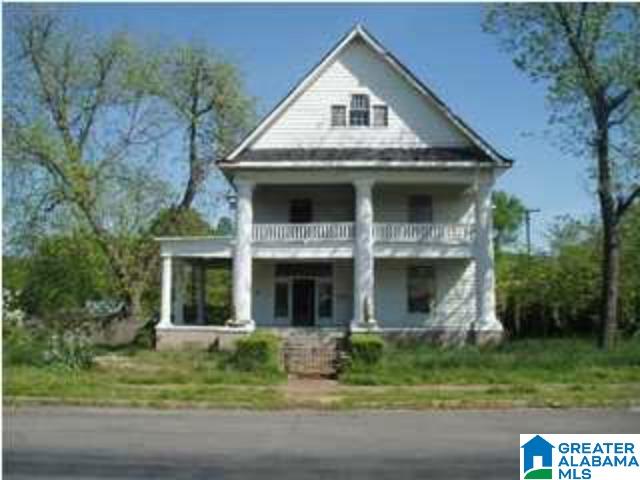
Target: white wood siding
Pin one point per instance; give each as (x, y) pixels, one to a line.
(413, 120)
(449, 205)
(455, 303)
(335, 203)
(329, 203)
(455, 290)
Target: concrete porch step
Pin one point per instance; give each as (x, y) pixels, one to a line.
(312, 354)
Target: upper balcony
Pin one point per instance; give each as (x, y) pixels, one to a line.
(317, 221)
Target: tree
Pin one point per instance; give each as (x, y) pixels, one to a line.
(77, 119)
(205, 95)
(589, 55)
(86, 121)
(508, 215)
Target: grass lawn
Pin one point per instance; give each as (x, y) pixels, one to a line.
(146, 379)
(524, 362)
(552, 373)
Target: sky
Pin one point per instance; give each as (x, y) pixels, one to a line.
(444, 45)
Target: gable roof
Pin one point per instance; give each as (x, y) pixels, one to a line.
(483, 148)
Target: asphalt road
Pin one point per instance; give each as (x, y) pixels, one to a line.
(74, 443)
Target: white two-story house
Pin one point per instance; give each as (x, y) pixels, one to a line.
(362, 203)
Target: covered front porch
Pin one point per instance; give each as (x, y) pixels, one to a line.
(411, 296)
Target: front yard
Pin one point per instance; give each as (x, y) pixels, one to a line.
(551, 373)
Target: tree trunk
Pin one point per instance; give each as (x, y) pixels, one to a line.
(610, 284)
(611, 233)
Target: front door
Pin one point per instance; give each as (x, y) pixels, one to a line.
(303, 302)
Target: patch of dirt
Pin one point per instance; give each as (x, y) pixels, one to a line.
(311, 391)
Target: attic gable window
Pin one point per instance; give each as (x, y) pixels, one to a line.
(359, 111)
(338, 116)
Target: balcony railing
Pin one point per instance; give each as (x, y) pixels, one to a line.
(303, 232)
(423, 232)
(453, 233)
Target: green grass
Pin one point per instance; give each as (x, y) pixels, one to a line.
(148, 378)
(549, 374)
(491, 397)
(524, 362)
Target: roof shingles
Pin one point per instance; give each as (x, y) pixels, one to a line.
(444, 154)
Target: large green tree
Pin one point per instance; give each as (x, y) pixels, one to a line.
(87, 122)
(589, 57)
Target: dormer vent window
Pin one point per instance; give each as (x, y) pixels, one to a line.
(360, 113)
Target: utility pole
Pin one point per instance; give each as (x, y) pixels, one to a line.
(527, 219)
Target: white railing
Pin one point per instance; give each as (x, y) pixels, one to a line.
(423, 232)
(396, 232)
(303, 232)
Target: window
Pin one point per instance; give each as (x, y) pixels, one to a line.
(420, 209)
(325, 300)
(281, 309)
(359, 111)
(300, 210)
(420, 289)
(380, 116)
(338, 116)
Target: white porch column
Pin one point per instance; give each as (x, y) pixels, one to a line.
(165, 306)
(242, 261)
(485, 276)
(363, 263)
(201, 288)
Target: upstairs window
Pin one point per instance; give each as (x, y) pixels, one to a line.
(359, 111)
(338, 116)
(420, 209)
(300, 210)
(380, 116)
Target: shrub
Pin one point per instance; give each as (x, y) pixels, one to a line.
(72, 350)
(366, 348)
(259, 352)
(22, 345)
